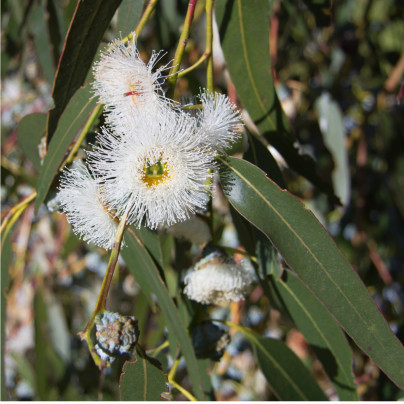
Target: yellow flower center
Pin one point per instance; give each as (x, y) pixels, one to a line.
(155, 174)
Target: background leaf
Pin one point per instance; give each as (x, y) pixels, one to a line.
(259, 155)
(240, 24)
(313, 255)
(31, 130)
(129, 13)
(142, 381)
(320, 331)
(71, 121)
(39, 29)
(332, 127)
(89, 22)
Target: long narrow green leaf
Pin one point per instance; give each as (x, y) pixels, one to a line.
(244, 35)
(151, 276)
(260, 156)
(89, 22)
(41, 42)
(289, 379)
(321, 332)
(6, 259)
(313, 255)
(72, 119)
(41, 343)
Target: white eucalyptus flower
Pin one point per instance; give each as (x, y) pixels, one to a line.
(124, 83)
(157, 169)
(215, 279)
(219, 121)
(79, 197)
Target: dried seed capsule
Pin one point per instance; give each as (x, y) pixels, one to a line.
(115, 335)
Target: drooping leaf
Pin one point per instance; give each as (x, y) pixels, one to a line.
(151, 239)
(25, 368)
(49, 367)
(320, 331)
(313, 255)
(41, 42)
(54, 29)
(31, 130)
(142, 381)
(75, 115)
(260, 156)
(332, 128)
(241, 22)
(89, 22)
(289, 379)
(147, 275)
(129, 13)
(6, 258)
(41, 343)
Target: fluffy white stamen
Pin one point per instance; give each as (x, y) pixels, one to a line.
(80, 198)
(125, 84)
(159, 169)
(219, 121)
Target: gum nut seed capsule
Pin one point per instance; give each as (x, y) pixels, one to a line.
(115, 335)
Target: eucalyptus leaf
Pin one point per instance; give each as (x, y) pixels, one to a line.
(31, 130)
(89, 22)
(6, 259)
(73, 118)
(313, 255)
(129, 13)
(142, 381)
(241, 22)
(320, 331)
(38, 27)
(289, 379)
(148, 276)
(332, 127)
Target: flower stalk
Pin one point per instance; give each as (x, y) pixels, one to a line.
(171, 380)
(209, 44)
(102, 297)
(181, 45)
(15, 212)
